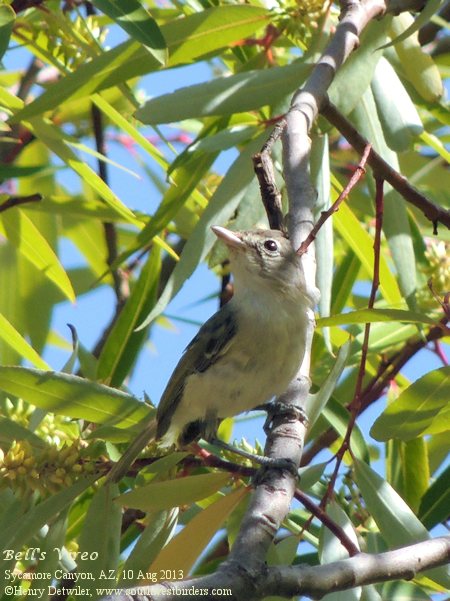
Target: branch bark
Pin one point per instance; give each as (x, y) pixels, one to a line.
(290, 581)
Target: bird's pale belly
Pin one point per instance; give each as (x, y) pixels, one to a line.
(241, 381)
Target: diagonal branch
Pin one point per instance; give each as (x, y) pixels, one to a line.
(383, 170)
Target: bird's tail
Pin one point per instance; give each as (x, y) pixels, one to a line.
(119, 469)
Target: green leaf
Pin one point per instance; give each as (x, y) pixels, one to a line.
(416, 472)
(138, 23)
(7, 18)
(343, 281)
(185, 179)
(14, 340)
(397, 113)
(10, 431)
(361, 243)
(436, 501)
(337, 416)
(423, 408)
(430, 7)
(187, 39)
(400, 590)
(436, 144)
(395, 220)
(35, 290)
(73, 396)
(316, 402)
(21, 231)
(373, 316)
(50, 545)
(225, 95)
(9, 171)
(159, 530)
(20, 532)
(398, 525)
(100, 538)
(53, 138)
(331, 549)
(10, 302)
(124, 124)
(359, 67)
(123, 342)
(185, 548)
(221, 207)
(227, 138)
(173, 493)
(417, 64)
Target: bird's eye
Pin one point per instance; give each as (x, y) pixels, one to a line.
(271, 245)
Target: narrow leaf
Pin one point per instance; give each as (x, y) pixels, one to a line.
(316, 402)
(7, 18)
(362, 245)
(398, 524)
(187, 39)
(54, 140)
(417, 64)
(221, 207)
(225, 95)
(123, 342)
(173, 493)
(359, 67)
(21, 231)
(73, 396)
(184, 549)
(19, 534)
(375, 315)
(138, 23)
(423, 408)
(436, 501)
(397, 113)
(160, 528)
(100, 539)
(14, 340)
(430, 7)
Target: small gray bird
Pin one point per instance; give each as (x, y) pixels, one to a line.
(245, 354)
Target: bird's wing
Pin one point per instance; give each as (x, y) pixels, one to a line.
(213, 340)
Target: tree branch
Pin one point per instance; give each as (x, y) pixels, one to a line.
(290, 581)
(383, 170)
(15, 201)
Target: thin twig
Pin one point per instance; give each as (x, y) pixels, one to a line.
(120, 280)
(332, 526)
(271, 196)
(383, 170)
(379, 383)
(15, 201)
(359, 172)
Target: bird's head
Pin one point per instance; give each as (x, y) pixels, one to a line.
(263, 260)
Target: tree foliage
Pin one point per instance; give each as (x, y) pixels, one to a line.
(72, 81)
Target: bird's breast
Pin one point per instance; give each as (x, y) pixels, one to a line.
(258, 365)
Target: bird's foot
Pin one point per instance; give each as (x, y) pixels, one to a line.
(293, 413)
(265, 462)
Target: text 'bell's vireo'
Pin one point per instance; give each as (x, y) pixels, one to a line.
(245, 354)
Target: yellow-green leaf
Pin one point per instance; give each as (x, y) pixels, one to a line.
(173, 493)
(185, 548)
(20, 231)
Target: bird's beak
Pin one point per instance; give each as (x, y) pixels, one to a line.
(230, 238)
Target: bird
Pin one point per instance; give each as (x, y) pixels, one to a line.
(242, 356)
